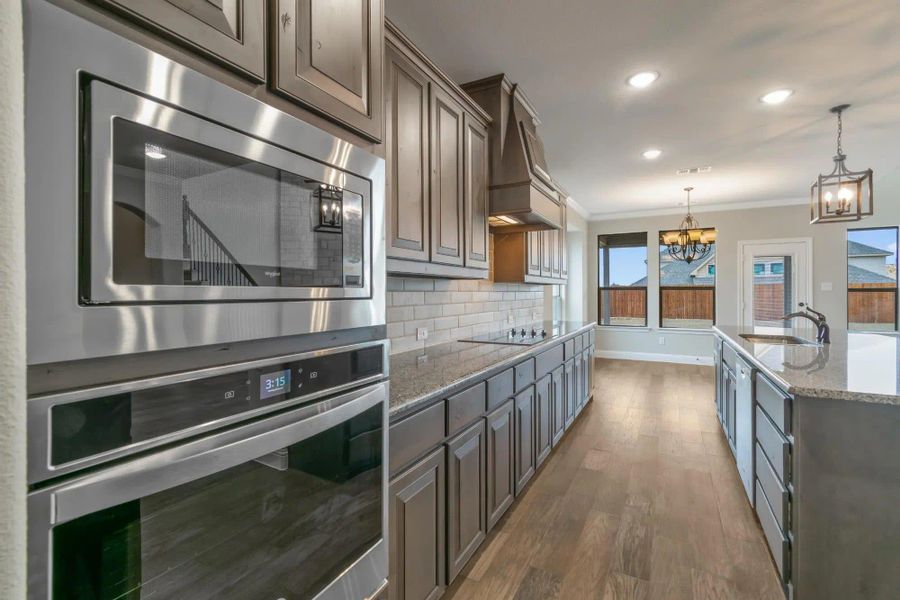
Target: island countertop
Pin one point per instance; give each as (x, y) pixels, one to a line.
(859, 367)
(420, 376)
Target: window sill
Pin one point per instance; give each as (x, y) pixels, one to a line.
(687, 330)
(624, 328)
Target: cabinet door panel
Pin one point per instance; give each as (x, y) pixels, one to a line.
(406, 147)
(417, 521)
(533, 253)
(563, 250)
(446, 179)
(466, 480)
(546, 253)
(233, 33)
(554, 254)
(476, 193)
(559, 403)
(500, 458)
(524, 421)
(543, 419)
(570, 391)
(328, 55)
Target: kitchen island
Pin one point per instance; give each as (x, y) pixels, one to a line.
(815, 429)
(471, 424)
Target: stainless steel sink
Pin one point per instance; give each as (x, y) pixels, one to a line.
(785, 340)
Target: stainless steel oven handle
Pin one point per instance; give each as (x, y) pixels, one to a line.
(194, 460)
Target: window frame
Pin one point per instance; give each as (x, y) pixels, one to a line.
(895, 289)
(605, 266)
(661, 287)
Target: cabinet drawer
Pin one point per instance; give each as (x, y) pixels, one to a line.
(545, 362)
(778, 543)
(463, 408)
(524, 372)
(579, 344)
(729, 356)
(500, 388)
(774, 402)
(415, 435)
(776, 448)
(569, 347)
(776, 494)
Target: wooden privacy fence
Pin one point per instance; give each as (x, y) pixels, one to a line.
(623, 302)
(768, 301)
(873, 303)
(687, 302)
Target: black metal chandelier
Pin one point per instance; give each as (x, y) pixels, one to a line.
(690, 241)
(842, 195)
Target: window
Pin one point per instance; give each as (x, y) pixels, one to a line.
(622, 279)
(687, 291)
(872, 279)
(558, 294)
(759, 268)
(777, 268)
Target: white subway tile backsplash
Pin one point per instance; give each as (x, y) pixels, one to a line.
(453, 309)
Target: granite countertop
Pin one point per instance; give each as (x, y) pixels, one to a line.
(860, 367)
(420, 376)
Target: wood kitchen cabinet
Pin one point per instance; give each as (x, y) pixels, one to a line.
(543, 419)
(416, 530)
(558, 402)
(231, 33)
(524, 427)
(500, 454)
(437, 169)
(466, 495)
(531, 257)
(328, 55)
(569, 389)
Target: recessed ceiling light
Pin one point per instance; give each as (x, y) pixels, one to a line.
(643, 79)
(777, 96)
(153, 151)
(651, 154)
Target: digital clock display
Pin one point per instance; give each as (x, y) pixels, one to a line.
(274, 384)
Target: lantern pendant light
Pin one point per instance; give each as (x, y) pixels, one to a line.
(690, 242)
(841, 195)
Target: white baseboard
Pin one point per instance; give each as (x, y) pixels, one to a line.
(683, 359)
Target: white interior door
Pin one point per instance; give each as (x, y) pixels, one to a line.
(775, 276)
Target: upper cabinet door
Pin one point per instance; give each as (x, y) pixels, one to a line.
(554, 254)
(328, 55)
(446, 179)
(232, 33)
(533, 252)
(476, 193)
(547, 250)
(406, 149)
(563, 249)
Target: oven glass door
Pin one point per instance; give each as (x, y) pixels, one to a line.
(284, 524)
(183, 209)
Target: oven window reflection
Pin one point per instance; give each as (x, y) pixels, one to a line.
(282, 526)
(186, 214)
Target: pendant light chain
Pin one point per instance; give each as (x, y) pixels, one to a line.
(840, 150)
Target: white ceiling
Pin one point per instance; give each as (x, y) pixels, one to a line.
(716, 58)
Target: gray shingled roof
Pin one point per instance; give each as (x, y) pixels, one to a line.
(857, 249)
(678, 272)
(859, 275)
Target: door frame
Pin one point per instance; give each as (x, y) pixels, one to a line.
(742, 245)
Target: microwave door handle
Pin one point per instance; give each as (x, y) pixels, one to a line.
(207, 456)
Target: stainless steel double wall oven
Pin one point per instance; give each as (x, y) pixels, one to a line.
(169, 215)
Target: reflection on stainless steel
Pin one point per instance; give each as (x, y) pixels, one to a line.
(817, 363)
(61, 49)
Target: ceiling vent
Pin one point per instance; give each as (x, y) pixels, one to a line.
(694, 170)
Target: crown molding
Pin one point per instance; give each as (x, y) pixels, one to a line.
(578, 208)
(695, 208)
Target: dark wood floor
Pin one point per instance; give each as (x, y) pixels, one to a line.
(641, 500)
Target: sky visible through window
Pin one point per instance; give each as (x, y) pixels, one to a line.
(626, 265)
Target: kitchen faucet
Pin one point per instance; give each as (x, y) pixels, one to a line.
(823, 331)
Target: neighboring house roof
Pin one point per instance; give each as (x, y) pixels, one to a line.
(678, 272)
(857, 249)
(859, 275)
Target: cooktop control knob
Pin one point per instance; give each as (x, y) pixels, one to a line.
(512, 333)
(533, 333)
(543, 333)
(523, 332)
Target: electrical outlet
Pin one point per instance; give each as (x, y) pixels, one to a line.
(826, 286)
(421, 333)
(662, 340)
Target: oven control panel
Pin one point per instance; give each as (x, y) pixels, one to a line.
(132, 416)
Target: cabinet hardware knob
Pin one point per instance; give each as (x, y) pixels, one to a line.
(285, 21)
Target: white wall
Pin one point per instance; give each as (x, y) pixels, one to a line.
(12, 299)
(829, 266)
